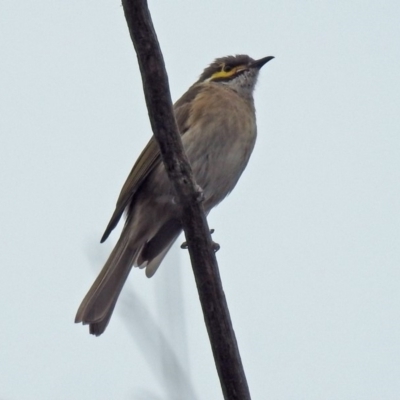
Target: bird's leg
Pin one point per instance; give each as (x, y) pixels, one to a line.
(215, 246)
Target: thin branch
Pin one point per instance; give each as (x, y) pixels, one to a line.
(205, 268)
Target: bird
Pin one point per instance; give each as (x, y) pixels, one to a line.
(217, 123)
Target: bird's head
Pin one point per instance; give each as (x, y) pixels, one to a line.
(239, 72)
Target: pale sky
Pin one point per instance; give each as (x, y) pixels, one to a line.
(309, 238)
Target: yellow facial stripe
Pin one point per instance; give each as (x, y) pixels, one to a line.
(226, 74)
(223, 74)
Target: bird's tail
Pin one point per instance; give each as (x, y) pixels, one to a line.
(146, 249)
(98, 305)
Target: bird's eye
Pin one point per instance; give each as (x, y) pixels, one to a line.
(227, 68)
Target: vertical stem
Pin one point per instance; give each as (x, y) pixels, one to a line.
(204, 263)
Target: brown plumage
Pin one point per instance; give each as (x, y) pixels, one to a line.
(216, 118)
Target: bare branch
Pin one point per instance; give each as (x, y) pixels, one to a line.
(204, 263)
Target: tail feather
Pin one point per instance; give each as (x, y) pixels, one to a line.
(98, 305)
(153, 265)
(162, 239)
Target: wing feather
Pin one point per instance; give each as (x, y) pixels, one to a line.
(149, 159)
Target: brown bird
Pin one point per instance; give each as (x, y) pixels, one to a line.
(216, 118)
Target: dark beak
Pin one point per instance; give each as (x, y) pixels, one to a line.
(261, 62)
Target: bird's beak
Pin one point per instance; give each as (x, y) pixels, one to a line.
(261, 62)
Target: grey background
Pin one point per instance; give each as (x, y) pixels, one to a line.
(310, 236)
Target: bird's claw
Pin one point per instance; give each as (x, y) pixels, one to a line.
(214, 246)
(199, 194)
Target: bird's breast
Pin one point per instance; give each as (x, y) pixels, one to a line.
(219, 143)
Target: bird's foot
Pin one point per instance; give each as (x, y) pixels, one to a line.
(199, 194)
(215, 246)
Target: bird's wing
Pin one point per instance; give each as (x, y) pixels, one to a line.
(146, 162)
(149, 159)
